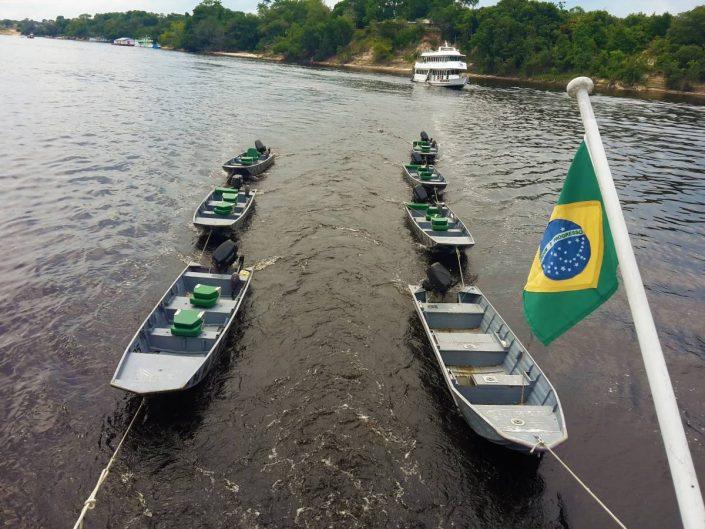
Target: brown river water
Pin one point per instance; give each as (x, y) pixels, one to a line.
(327, 409)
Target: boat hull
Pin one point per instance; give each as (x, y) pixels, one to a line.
(146, 369)
(233, 168)
(205, 220)
(437, 187)
(526, 442)
(456, 84)
(441, 241)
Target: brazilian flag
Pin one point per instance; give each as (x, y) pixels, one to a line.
(575, 268)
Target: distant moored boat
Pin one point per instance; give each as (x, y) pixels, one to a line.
(125, 41)
(444, 67)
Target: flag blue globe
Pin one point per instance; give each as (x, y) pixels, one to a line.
(564, 250)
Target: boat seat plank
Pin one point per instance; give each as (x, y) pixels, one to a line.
(499, 379)
(223, 306)
(520, 418)
(209, 214)
(212, 221)
(454, 240)
(468, 341)
(452, 308)
(206, 276)
(206, 333)
(450, 232)
(236, 205)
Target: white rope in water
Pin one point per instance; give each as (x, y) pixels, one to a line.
(580, 482)
(91, 501)
(205, 245)
(460, 267)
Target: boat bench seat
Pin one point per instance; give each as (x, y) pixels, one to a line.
(499, 379)
(453, 315)
(223, 306)
(521, 418)
(491, 388)
(455, 308)
(206, 334)
(161, 339)
(214, 203)
(450, 232)
(234, 215)
(470, 349)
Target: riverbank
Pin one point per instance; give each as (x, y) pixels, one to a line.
(654, 87)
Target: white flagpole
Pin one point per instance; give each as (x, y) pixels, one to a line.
(685, 481)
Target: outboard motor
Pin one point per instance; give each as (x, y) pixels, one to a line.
(438, 279)
(224, 256)
(236, 181)
(416, 158)
(420, 194)
(235, 278)
(260, 147)
(424, 136)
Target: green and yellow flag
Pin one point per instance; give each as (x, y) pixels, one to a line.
(575, 268)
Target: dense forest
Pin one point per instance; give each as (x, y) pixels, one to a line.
(514, 37)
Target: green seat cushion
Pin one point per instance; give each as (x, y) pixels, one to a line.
(419, 206)
(202, 303)
(222, 190)
(206, 292)
(426, 176)
(187, 333)
(252, 153)
(187, 322)
(230, 197)
(432, 212)
(204, 296)
(439, 223)
(188, 318)
(223, 208)
(246, 160)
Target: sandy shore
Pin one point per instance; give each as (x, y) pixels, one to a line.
(248, 55)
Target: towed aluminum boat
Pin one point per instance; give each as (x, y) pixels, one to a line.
(252, 162)
(438, 227)
(224, 208)
(426, 147)
(426, 176)
(180, 340)
(495, 383)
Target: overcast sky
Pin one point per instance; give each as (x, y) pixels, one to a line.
(39, 9)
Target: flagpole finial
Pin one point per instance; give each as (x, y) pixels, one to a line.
(578, 84)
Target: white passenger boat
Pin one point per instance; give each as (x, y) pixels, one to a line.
(125, 41)
(444, 67)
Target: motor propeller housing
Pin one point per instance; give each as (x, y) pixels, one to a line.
(438, 278)
(224, 255)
